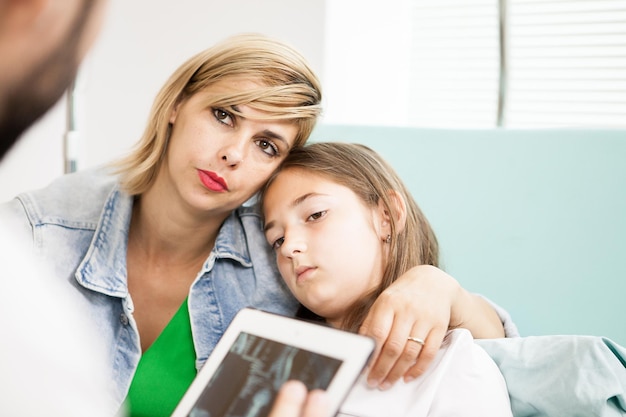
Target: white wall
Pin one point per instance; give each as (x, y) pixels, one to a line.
(142, 42)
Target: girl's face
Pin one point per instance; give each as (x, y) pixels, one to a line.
(328, 243)
(216, 160)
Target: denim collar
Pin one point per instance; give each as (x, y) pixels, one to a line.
(103, 269)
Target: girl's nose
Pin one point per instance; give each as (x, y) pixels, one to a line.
(292, 246)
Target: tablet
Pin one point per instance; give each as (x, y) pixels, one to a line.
(260, 351)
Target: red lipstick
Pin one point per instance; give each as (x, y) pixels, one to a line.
(212, 181)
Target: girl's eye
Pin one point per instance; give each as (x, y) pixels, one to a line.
(278, 243)
(318, 215)
(223, 116)
(268, 147)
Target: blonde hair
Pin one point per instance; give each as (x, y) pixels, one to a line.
(373, 180)
(287, 90)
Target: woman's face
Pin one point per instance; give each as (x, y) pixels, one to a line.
(328, 243)
(217, 160)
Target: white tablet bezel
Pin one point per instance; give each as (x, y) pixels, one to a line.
(351, 349)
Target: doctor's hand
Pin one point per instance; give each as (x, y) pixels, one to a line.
(411, 317)
(293, 400)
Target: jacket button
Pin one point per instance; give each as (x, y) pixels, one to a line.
(124, 319)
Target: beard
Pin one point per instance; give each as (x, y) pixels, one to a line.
(40, 89)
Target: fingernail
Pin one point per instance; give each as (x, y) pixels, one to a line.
(385, 386)
(409, 379)
(372, 383)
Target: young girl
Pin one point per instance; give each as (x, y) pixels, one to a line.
(343, 226)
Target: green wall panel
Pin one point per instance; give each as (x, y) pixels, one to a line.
(533, 219)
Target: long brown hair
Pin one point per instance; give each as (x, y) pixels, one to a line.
(373, 180)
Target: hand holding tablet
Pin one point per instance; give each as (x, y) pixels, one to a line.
(261, 351)
(294, 400)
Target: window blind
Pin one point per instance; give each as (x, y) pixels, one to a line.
(567, 63)
(477, 63)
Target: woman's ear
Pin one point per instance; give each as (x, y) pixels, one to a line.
(174, 112)
(398, 206)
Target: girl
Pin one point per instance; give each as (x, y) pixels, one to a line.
(343, 226)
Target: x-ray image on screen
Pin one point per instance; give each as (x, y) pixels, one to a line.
(247, 381)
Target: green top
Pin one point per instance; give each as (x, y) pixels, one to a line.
(165, 370)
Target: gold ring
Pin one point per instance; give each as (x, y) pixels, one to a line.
(416, 340)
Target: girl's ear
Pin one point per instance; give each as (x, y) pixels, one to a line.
(399, 213)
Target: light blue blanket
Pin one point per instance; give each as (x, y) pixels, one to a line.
(569, 376)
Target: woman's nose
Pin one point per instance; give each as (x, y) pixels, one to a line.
(233, 153)
(232, 159)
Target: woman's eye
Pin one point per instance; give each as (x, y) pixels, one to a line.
(278, 243)
(318, 215)
(223, 116)
(268, 147)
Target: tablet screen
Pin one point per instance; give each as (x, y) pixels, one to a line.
(259, 352)
(252, 372)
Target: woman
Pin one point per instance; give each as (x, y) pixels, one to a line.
(343, 227)
(164, 250)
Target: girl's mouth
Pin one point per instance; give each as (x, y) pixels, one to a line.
(303, 273)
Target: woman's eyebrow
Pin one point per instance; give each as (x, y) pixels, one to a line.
(267, 132)
(273, 135)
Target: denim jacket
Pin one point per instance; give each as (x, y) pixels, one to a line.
(79, 225)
